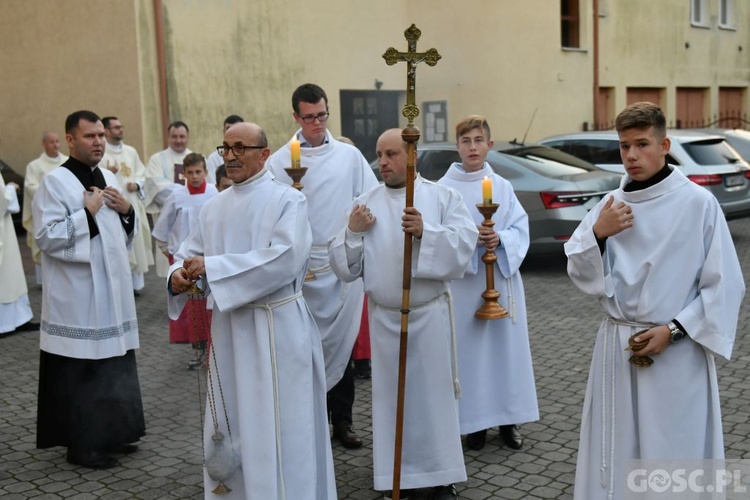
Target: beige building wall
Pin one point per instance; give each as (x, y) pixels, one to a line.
(653, 44)
(502, 59)
(66, 56)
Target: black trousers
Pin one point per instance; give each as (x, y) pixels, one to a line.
(88, 403)
(341, 398)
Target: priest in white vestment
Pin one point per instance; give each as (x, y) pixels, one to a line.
(658, 256)
(370, 246)
(89, 395)
(35, 170)
(336, 174)
(164, 175)
(252, 243)
(15, 310)
(494, 356)
(123, 161)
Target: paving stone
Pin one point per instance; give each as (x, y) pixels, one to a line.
(562, 325)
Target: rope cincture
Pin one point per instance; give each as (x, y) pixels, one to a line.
(613, 323)
(268, 307)
(454, 353)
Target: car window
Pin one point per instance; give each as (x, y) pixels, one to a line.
(741, 145)
(433, 164)
(550, 168)
(552, 161)
(602, 151)
(710, 152)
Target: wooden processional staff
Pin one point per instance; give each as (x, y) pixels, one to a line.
(410, 135)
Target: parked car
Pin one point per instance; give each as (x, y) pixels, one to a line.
(706, 159)
(555, 189)
(10, 175)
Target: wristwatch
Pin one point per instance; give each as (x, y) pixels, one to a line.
(675, 333)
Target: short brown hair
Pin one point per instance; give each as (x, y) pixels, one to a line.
(194, 159)
(470, 123)
(642, 115)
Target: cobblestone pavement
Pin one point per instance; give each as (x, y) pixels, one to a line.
(562, 322)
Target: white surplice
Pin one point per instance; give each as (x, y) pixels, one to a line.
(15, 309)
(494, 356)
(92, 315)
(432, 453)
(131, 169)
(33, 177)
(157, 187)
(336, 174)
(179, 215)
(256, 241)
(676, 262)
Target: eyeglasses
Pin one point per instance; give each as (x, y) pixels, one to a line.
(237, 149)
(321, 117)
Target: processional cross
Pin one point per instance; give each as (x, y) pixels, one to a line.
(410, 135)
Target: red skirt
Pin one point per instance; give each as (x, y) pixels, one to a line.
(193, 325)
(362, 345)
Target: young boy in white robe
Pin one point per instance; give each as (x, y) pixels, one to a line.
(494, 356)
(178, 216)
(658, 257)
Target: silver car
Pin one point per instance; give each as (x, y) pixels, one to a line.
(556, 189)
(706, 159)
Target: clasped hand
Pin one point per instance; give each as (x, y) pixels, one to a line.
(95, 198)
(183, 278)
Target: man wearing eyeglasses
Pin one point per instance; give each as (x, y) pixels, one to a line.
(251, 244)
(123, 161)
(337, 173)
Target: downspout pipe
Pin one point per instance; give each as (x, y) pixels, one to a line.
(161, 57)
(595, 53)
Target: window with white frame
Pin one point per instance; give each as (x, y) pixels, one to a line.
(699, 12)
(726, 14)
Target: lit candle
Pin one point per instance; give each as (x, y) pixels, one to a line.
(294, 146)
(487, 190)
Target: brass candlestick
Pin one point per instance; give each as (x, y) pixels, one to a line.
(490, 309)
(296, 173)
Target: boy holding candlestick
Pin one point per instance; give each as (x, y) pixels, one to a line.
(494, 358)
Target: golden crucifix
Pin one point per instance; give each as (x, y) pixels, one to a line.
(410, 135)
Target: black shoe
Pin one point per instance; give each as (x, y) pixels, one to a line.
(91, 459)
(476, 440)
(122, 449)
(362, 369)
(401, 493)
(447, 492)
(511, 437)
(28, 327)
(344, 433)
